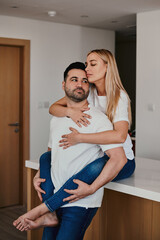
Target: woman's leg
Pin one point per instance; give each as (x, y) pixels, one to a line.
(49, 218)
(126, 171)
(45, 172)
(48, 187)
(88, 174)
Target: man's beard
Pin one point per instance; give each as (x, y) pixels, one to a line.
(76, 97)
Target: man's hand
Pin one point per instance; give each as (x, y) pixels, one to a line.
(82, 191)
(37, 182)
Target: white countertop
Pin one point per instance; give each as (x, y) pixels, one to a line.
(144, 183)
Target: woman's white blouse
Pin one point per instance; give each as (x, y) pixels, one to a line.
(121, 115)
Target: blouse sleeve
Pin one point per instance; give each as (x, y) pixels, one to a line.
(104, 124)
(122, 108)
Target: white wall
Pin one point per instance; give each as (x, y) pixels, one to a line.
(53, 47)
(148, 85)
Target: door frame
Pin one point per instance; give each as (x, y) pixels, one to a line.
(24, 109)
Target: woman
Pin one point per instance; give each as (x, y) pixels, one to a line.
(108, 94)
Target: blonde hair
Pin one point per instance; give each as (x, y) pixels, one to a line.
(113, 84)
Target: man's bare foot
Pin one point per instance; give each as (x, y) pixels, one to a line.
(46, 220)
(33, 214)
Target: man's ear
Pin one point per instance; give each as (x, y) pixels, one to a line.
(63, 85)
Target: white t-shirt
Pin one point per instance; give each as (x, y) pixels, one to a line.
(67, 162)
(121, 114)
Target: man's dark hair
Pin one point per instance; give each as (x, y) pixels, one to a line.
(75, 65)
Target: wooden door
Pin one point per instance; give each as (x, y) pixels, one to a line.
(9, 118)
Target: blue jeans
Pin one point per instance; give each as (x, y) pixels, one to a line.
(88, 174)
(73, 222)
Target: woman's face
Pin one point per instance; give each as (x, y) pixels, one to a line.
(96, 68)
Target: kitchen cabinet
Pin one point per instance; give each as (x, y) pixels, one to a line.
(130, 209)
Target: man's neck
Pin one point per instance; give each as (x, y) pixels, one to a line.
(81, 104)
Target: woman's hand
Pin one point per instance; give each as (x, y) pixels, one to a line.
(69, 139)
(37, 182)
(78, 116)
(82, 191)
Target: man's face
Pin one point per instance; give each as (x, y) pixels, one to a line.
(76, 86)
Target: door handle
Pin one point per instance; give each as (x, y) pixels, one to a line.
(16, 124)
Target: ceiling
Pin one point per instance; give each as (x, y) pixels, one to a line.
(117, 15)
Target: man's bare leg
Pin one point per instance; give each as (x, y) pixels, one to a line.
(33, 214)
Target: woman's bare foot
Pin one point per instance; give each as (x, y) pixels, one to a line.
(33, 214)
(46, 220)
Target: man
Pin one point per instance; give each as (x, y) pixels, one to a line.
(74, 218)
